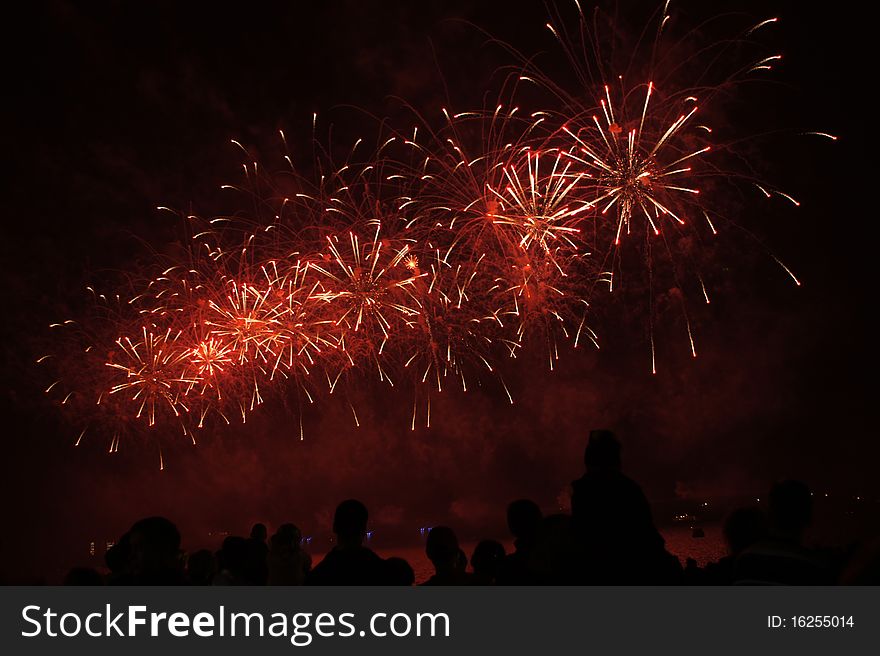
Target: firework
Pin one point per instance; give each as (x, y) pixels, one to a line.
(633, 177)
(539, 206)
(152, 374)
(434, 255)
(367, 287)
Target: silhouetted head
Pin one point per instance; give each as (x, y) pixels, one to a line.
(399, 572)
(486, 559)
(259, 532)
(116, 557)
(234, 553)
(603, 450)
(791, 508)
(350, 522)
(442, 548)
(287, 535)
(743, 527)
(524, 519)
(201, 567)
(155, 547)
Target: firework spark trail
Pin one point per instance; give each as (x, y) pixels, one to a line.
(634, 176)
(515, 206)
(436, 254)
(153, 373)
(654, 171)
(452, 332)
(541, 209)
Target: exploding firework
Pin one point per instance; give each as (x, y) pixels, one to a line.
(152, 374)
(632, 177)
(658, 178)
(433, 256)
(539, 206)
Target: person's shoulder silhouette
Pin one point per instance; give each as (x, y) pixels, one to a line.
(201, 567)
(743, 527)
(233, 562)
(154, 556)
(83, 576)
(117, 560)
(399, 572)
(524, 519)
(605, 502)
(444, 553)
(613, 523)
(486, 561)
(256, 570)
(782, 558)
(289, 564)
(349, 562)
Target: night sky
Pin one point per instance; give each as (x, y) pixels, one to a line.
(112, 109)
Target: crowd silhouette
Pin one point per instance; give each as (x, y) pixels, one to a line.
(609, 538)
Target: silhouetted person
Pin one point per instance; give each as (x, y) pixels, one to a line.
(349, 562)
(486, 562)
(289, 564)
(259, 532)
(154, 553)
(557, 558)
(116, 558)
(399, 572)
(863, 567)
(524, 521)
(83, 576)
(782, 558)
(742, 528)
(444, 553)
(613, 523)
(232, 562)
(256, 568)
(462, 562)
(201, 567)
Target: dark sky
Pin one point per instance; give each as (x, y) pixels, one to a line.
(111, 109)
